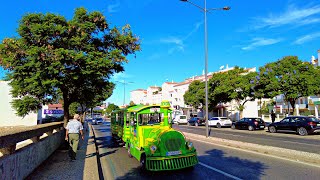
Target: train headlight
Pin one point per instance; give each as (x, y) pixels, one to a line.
(190, 145)
(153, 148)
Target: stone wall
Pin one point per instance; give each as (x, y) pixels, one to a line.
(20, 163)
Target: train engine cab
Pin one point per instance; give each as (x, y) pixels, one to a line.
(155, 143)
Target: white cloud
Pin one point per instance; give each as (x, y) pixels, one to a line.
(179, 41)
(112, 8)
(292, 16)
(306, 38)
(257, 42)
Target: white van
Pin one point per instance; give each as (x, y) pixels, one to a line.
(180, 119)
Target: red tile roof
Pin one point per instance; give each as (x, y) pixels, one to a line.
(55, 106)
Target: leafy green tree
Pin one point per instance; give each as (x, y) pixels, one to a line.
(112, 107)
(288, 76)
(55, 57)
(231, 85)
(195, 95)
(131, 103)
(73, 108)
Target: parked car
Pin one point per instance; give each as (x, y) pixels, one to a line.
(196, 121)
(249, 123)
(98, 120)
(303, 125)
(180, 119)
(50, 119)
(220, 122)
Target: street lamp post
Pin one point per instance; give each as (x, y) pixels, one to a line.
(205, 10)
(124, 89)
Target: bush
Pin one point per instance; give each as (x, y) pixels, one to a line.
(306, 113)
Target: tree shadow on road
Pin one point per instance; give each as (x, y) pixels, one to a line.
(237, 166)
(217, 159)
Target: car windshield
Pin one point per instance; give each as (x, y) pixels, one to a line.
(224, 118)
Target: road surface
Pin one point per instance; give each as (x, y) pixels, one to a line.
(216, 162)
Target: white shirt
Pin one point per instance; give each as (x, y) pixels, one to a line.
(74, 126)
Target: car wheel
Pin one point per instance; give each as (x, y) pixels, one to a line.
(188, 124)
(233, 126)
(272, 129)
(250, 128)
(302, 131)
(218, 125)
(196, 124)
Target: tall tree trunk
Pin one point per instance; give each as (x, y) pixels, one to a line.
(292, 102)
(66, 113)
(289, 108)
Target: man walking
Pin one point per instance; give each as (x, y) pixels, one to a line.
(73, 131)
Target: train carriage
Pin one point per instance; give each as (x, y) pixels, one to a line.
(114, 123)
(154, 142)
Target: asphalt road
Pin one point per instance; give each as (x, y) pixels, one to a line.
(216, 162)
(310, 143)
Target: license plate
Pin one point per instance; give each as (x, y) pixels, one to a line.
(172, 153)
(261, 126)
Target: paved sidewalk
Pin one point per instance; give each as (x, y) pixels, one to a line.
(58, 165)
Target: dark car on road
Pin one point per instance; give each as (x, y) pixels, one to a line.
(303, 125)
(249, 124)
(50, 119)
(196, 121)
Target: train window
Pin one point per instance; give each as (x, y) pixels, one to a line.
(132, 118)
(149, 119)
(117, 118)
(121, 119)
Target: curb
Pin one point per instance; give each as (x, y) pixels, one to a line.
(289, 154)
(90, 169)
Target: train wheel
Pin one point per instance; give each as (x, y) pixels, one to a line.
(143, 162)
(129, 152)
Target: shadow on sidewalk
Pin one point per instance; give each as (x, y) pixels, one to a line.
(59, 166)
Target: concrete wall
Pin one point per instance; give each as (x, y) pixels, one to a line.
(251, 109)
(22, 162)
(8, 114)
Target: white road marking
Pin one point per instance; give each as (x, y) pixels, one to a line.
(262, 154)
(219, 171)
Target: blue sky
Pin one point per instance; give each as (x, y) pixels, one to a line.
(251, 34)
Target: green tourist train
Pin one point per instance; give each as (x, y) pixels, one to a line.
(149, 137)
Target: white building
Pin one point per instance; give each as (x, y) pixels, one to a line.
(8, 114)
(167, 91)
(154, 95)
(138, 96)
(173, 92)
